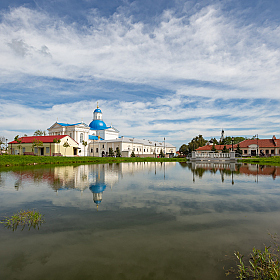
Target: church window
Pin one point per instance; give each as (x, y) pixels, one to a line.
(70, 134)
(47, 150)
(144, 150)
(103, 146)
(97, 150)
(91, 150)
(137, 149)
(81, 137)
(147, 150)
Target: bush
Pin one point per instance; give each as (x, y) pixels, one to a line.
(262, 265)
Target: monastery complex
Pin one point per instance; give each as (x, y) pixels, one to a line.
(95, 139)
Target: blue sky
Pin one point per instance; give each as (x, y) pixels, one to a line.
(171, 69)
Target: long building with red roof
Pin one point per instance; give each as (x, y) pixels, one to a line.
(250, 147)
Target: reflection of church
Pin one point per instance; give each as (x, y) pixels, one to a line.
(98, 187)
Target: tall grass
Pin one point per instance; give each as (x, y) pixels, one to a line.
(29, 218)
(15, 160)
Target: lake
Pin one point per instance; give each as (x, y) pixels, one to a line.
(137, 220)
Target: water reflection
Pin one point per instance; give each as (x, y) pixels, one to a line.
(96, 178)
(231, 170)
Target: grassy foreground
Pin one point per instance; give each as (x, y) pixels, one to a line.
(16, 160)
(265, 161)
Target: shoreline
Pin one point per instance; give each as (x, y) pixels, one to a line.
(20, 160)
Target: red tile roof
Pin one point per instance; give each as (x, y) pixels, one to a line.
(262, 143)
(44, 139)
(218, 147)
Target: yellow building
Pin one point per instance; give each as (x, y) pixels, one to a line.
(54, 145)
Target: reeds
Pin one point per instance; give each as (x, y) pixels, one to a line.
(24, 218)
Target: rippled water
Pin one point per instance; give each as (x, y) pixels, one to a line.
(136, 220)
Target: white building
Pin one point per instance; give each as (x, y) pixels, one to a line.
(97, 138)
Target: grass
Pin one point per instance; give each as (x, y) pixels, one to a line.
(262, 160)
(17, 160)
(29, 218)
(260, 265)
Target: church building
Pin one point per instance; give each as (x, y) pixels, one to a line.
(96, 139)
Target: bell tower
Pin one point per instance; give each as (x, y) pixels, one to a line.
(97, 114)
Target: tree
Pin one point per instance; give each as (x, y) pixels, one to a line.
(213, 149)
(19, 144)
(161, 154)
(214, 141)
(132, 154)
(184, 149)
(66, 145)
(39, 132)
(118, 152)
(238, 150)
(37, 143)
(84, 144)
(111, 152)
(225, 150)
(16, 138)
(236, 140)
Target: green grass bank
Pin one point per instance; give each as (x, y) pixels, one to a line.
(16, 160)
(264, 161)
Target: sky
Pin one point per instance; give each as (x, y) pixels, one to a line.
(157, 68)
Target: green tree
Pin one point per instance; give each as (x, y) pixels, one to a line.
(132, 154)
(213, 149)
(84, 144)
(225, 150)
(37, 143)
(238, 150)
(214, 141)
(236, 140)
(66, 145)
(19, 144)
(39, 132)
(111, 152)
(197, 142)
(184, 149)
(16, 138)
(161, 154)
(118, 152)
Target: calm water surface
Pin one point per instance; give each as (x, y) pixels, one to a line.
(136, 220)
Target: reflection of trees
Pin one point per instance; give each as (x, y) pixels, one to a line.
(199, 172)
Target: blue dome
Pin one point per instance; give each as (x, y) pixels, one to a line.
(97, 125)
(97, 110)
(97, 188)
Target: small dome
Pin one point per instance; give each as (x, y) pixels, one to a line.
(97, 110)
(97, 125)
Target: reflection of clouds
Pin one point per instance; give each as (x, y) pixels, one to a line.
(162, 188)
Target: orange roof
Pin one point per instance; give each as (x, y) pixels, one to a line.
(218, 147)
(44, 139)
(262, 143)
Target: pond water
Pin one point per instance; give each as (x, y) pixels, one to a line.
(137, 220)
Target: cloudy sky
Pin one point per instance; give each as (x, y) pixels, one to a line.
(158, 68)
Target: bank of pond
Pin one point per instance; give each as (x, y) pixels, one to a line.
(20, 160)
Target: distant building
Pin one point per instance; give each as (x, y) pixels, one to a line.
(44, 146)
(97, 138)
(250, 147)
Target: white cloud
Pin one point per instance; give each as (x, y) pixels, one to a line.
(206, 46)
(200, 58)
